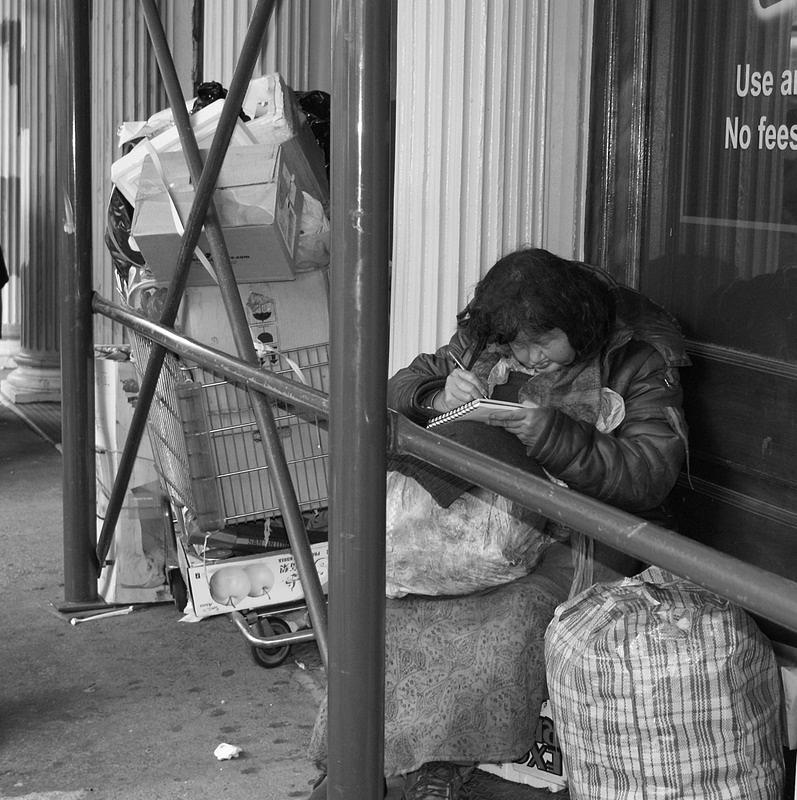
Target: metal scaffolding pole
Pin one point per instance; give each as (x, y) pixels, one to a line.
(77, 366)
(358, 397)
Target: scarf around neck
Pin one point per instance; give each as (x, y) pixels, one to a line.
(574, 389)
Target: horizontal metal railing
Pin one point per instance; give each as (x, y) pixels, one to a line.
(759, 591)
(218, 362)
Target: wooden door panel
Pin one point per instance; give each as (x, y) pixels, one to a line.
(743, 421)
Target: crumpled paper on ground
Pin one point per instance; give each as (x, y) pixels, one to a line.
(224, 752)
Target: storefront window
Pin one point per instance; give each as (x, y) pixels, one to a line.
(720, 241)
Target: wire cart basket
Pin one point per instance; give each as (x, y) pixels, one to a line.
(213, 465)
(208, 446)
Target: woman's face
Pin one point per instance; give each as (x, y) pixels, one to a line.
(544, 352)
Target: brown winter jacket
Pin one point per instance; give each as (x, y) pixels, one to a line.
(635, 466)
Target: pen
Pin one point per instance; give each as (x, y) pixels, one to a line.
(458, 362)
(462, 367)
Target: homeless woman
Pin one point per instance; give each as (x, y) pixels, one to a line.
(595, 367)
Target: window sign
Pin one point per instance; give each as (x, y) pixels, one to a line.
(720, 248)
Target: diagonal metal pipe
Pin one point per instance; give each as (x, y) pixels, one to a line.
(278, 467)
(280, 475)
(203, 203)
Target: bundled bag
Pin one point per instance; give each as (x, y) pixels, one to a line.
(480, 540)
(661, 690)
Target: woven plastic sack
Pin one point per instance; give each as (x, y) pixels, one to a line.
(662, 690)
(480, 540)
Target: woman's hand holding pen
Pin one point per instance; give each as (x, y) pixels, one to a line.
(461, 387)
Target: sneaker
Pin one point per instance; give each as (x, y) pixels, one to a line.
(438, 780)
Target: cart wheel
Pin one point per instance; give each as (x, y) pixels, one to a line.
(269, 657)
(178, 589)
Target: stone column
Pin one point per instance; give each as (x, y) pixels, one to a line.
(10, 195)
(37, 377)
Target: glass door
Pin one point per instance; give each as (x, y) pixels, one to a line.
(693, 200)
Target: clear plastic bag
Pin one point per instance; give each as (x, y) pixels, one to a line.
(480, 540)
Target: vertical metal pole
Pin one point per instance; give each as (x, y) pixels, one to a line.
(358, 398)
(77, 365)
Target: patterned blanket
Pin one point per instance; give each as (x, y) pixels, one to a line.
(465, 676)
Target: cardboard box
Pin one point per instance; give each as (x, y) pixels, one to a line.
(258, 198)
(283, 314)
(542, 766)
(142, 542)
(246, 582)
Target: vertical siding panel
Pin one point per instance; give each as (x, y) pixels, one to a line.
(491, 158)
(226, 23)
(566, 126)
(497, 159)
(472, 225)
(453, 118)
(291, 45)
(431, 113)
(407, 282)
(126, 86)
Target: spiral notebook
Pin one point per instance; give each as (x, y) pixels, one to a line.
(476, 410)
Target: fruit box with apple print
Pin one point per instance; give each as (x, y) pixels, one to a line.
(241, 583)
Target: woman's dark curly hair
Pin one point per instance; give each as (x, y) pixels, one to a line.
(531, 292)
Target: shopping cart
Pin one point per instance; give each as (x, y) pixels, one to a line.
(214, 469)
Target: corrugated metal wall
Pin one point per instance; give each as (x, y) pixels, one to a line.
(126, 87)
(490, 132)
(297, 45)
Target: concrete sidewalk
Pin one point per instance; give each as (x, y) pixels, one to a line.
(130, 707)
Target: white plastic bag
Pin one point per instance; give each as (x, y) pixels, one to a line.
(481, 540)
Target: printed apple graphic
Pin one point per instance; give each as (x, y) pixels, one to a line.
(229, 585)
(261, 579)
